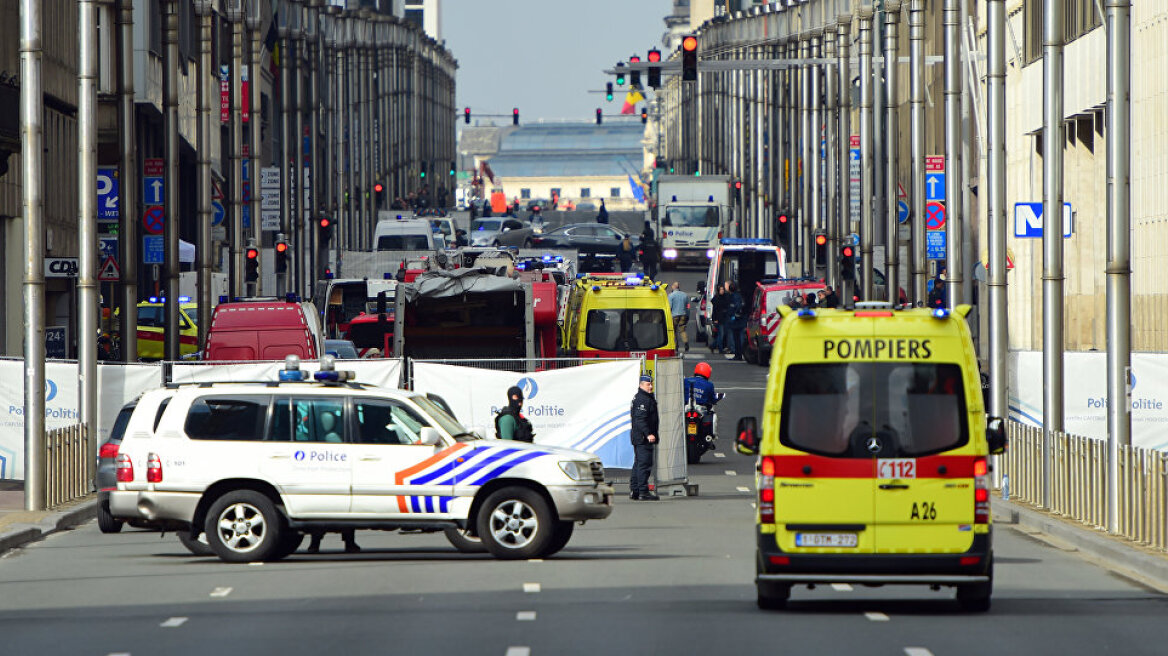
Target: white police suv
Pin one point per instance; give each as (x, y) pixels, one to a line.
(255, 465)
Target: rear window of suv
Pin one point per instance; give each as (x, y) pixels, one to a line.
(911, 409)
(239, 418)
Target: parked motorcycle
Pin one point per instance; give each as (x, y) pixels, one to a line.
(701, 429)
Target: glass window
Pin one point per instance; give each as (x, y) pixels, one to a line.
(692, 217)
(151, 316)
(381, 421)
(585, 192)
(912, 409)
(638, 329)
(525, 194)
(440, 415)
(308, 420)
(614, 192)
(234, 418)
(403, 243)
(491, 225)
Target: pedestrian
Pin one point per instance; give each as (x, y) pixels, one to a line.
(510, 424)
(736, 321)
(602, 215)
(625, 254)
(832, 300)
(718, 317)
(460, 240)
(937, 298)
(347, 536)
(486, 208)
(679, 309)
(650, 254)
(644, 438)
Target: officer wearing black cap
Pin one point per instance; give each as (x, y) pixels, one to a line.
(644, 439)
(510, 424)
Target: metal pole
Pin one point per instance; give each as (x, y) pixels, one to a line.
(843, 55)
(254, 121)
(299, 261)
(32, 105)
(347, 133)
(1052, 236)
(287, 141)
(831, 149)
(806, 150)
(1118, 246)
(878, 151)
(867, 225)
(128, 183)
(816, 161)
(968, 155)
(203, 71)
(239, 286)
(87, 284)
(996, 174)
(316, 169)
(892, 135)
(366, 82)
(794, 183)
(916, 35)
(328, 170)
(171, 181)
(955, 267)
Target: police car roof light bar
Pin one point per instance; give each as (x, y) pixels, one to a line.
(747, 241)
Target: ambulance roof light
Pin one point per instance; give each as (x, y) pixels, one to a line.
(595, 288)
(634, 281)
(806, 313)
(711, 198)
(941, 313)
(675, 198)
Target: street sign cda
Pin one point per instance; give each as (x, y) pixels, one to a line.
(902, 211)
(61, 267)
(153, 166)
(217, 212)
(1028, 220)
(153, 190)
(152, 249)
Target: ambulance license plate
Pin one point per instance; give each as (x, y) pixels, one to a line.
(826, 539)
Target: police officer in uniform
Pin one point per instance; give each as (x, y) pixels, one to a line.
(644, 438)
(510, 424)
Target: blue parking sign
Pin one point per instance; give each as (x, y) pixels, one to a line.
(107, 192)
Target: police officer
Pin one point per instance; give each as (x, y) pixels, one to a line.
(510, 424)
(644, 439)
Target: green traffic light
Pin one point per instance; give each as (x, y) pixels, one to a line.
(423, 174)
(608, 97)
(620, 79)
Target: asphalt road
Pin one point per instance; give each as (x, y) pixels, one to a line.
(667, 577)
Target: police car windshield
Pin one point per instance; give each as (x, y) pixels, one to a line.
(692, 217)
(873, 409)
(626, 330)
(448, 423)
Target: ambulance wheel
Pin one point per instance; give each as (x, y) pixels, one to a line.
(773, 596)
(560, 537)
(197, 546)
(105, 521)
(515, 523)
(975, 597)
(463, 540)
(243, 526)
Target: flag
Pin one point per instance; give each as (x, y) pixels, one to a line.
(638, 190)
(631, 99)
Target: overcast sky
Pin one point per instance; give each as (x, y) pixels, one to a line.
(544, 56)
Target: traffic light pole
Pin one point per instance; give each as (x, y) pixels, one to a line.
(128, 173)
(955, 265)
(866, 138)
(918, 291)
(285, 139)
(239, 286)
(892, 137)
(816, 161)
(831, 150)
(203, 142)
(255, 116)
(172, 186)
(843, 63)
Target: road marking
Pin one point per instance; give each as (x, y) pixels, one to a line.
(753, 505)
(719, 455)
(531, 587)
(841, 587)
(173, 622)
(745, 389)
(917, 651)
(535, 560)
(256, 564)
(118, 653)
(221, 592)
(519, 651)
(731, 472)
(743, 489)
(525, 616)
(876, 617)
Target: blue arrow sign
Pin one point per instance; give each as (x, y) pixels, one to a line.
(902, 211)
(935, 186)
(152, 190)
(1028, 220)
(218, 213)
(107, 193)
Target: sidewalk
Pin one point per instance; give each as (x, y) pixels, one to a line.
(19, 527)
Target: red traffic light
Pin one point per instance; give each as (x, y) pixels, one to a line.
(253, 253)
(325, 222)
(820, 239)
(782, 218)
(281, 247)
(515, 111)
(737, 184)
(654, 56)
(378, 188)
(848, 251)
(689, 43)
(634, 59)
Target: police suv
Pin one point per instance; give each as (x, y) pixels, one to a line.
(255, 465)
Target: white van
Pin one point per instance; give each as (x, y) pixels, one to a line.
(744, 262)
(403, 232)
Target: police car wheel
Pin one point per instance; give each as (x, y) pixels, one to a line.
(773, 596)
(105, 521)
(197, 546)
(244, 526)
(463, 540)
(560, 536)
(515, 523)
(288, 545)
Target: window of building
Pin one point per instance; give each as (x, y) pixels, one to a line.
(525, 194)
(585, 192)
(1079, 18)
(614, 192)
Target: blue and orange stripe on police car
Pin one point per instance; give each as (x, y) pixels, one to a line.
(452, 466)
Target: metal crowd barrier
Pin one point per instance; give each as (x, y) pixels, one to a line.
(1078, 469)
(68, 467)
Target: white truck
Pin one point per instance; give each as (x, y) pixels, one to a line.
(693, 213)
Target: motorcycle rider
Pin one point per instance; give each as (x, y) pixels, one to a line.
(699, 388)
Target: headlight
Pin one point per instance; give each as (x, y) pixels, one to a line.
(670, 253)
(577, 470)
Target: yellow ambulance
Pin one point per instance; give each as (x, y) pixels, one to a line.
(618, 315)
(873, 463)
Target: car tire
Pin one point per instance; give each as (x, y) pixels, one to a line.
(773, 596)
(106, 522)
(751, 356)
(762, 360)
(560, 536)
(515, 523)
(244, 526)
(527, 243)
(288, 545)
(463, 540)
(197, 546)
(975, 597)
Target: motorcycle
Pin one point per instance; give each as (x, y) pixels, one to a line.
(701, 429)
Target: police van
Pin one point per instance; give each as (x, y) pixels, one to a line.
(618, 315)
(256, 465)
(873, 453)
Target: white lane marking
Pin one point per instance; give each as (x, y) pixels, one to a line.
(917, 651)
(719, 455)
(753, 505)
(876, 617)
(731, 472)
(256, 564)
(173, 622)
(744, 389)
(743, 489)
(841, 587)
(118, 653)
(221, 592)
(525, 616)
(535, 560)
(519, 651)
(531, 587)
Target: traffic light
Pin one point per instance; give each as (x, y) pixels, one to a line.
(378, 194)
(783, 228)
(620, 74)
(654, 71)
(820, 248)
(324, 231)
(608, 91)
(689, 58)
(599, 116)
(453, 168)
(281, 254)
(252, 268)
(847, 263)
(466, 115)
(635, 76)
(736, 189)
(644, 115)
(515, 116)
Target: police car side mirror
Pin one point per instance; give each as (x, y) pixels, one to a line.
(996, 435)
(429, 436)
(480, 431)
(747, 440)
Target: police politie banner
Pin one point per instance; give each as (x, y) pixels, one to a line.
(585, 407)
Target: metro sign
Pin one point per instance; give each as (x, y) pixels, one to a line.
(1028, 220)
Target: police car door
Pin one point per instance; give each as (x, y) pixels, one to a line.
(395, 475)
(307, 457)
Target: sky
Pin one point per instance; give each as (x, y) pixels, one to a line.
(544, 56)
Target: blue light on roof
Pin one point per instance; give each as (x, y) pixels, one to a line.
(941, 313)
(634, 281)
(806, 313)
(753, 241)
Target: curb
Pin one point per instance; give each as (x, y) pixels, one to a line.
(18, 535)
(1113, 553)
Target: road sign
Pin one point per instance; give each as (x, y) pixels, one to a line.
(1028, 220)
(935, 164)
(900, 192)
(153, 219)
(61, 267)
(902, 211)
(217, 213)
(108, 247)
(935, 241)
(216, 190)
(934, 186)
(855, 239)
(57, 342)
(854, 178)
(935, 216)
(152, 249)
(107, 192)
(153, 190)
(153, 166)
(109, 271)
